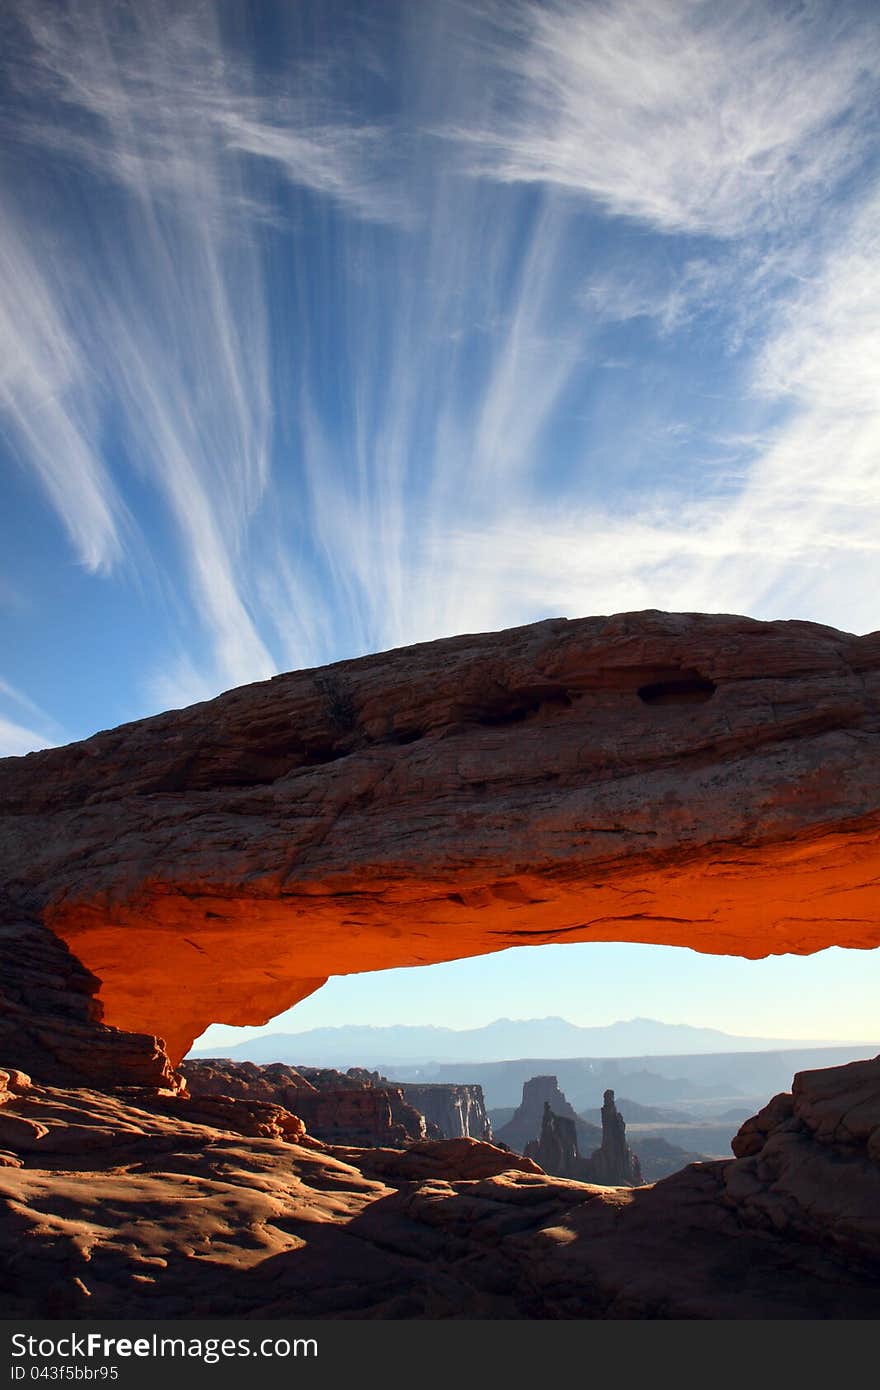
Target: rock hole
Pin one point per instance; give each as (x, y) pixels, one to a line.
(683, 688)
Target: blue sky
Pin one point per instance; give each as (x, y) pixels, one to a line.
(328, 328)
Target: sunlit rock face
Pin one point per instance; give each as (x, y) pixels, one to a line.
(339, 1108)
(457, 1112)
(698, 780)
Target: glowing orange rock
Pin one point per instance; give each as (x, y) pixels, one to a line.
(698, 780)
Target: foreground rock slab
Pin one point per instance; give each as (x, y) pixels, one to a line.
(700, 780)
(149, 1205)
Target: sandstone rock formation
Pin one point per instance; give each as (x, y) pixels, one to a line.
(141, 1206)
(339, 1108)
(701, 780)
(218, 1076)
(51, 1021)
(456, 1111)
(614, 1162)
(539, 1094)
(556, 1149)
(407, 1121)
(809, 1163)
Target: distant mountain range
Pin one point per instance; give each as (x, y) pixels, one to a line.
(506, 1038)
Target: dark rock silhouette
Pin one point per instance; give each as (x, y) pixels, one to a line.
(526, 1122)
(614, 1162)
(556, 1150)
(808, 1165)
(51, 1022)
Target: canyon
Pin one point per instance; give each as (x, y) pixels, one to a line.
(142, 1205)
(700, 780)
(353, 1107)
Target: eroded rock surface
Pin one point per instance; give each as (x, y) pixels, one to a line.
(809, 1163)
(357, 1107)
(140, 1206)
(51, 1022)
(700, 780)
(458, 1111)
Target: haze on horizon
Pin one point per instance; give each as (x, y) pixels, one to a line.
(831, 995)
(329, 328)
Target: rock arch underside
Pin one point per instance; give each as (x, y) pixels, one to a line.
(702, 780)
(699, 780)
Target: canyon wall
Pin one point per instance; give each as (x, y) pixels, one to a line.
(457, 1111)
(357, 1107)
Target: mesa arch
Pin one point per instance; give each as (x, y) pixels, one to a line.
(701, 780)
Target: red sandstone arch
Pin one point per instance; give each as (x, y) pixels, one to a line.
(699, 780)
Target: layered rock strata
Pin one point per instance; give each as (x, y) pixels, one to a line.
(458, 1112)
(339, 1107)
(699, 780)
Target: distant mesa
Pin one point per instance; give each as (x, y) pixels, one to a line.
(546, 1128)
(556, 1150)
(539, 1094)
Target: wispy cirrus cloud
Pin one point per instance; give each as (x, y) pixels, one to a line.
(48, 401)
(798, 533)
(166, 317)
(161, 104)
(341, 394)
(17, 738)
(621, 294)
(685, 114)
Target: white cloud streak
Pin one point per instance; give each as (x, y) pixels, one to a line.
(17, 738)
(168, 318)
(417, 367)
(686, 114)
(635, 292)
(48, 402)
(800, 535)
